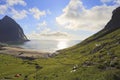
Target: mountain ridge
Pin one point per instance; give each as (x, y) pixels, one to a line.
(111, 26)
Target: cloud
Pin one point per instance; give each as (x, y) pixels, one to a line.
(19, 14)
(117, 2)
(76, 17)
(104, 1)
(15, 2)
(9, 5)
(42, 24)
(50, 35)
(3, 9)
(111, 1)
(55, 34)
(37, 13)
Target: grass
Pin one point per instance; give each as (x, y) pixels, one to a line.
(92, 62)
(10, 66)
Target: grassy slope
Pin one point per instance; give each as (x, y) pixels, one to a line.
(10, 66)
(93, 62)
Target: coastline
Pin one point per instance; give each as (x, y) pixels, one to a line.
(24, 53)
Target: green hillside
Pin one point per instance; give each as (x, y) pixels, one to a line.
(95, 60)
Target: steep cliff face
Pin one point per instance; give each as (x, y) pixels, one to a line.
(114, 23)
(10, 31)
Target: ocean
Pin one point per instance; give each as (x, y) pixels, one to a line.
(48, 45)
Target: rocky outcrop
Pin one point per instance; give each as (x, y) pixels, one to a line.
(10, 31)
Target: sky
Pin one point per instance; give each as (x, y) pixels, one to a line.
(59, 19)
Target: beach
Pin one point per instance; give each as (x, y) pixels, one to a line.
(24, 53)
(34, 50)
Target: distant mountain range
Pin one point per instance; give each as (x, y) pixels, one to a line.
(10, 31)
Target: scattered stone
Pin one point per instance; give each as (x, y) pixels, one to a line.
(109, 53)
(38, 67)
(74, 68)
(118, 43)
(21, 53)
(97, 45)
(98, 48)
(73, 71)
(87, 63)
(18, 75)
(115, 58)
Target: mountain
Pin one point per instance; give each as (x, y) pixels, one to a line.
(111, 26)
(10, 31)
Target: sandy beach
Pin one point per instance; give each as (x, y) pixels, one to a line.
(24, 53)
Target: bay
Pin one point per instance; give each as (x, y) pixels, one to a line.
(48, 45)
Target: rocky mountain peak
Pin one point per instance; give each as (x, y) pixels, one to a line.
(10, 31)
(6, 16)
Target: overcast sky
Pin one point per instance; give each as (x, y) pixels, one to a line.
(59, 19)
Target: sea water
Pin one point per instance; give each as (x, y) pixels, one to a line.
(48, 45)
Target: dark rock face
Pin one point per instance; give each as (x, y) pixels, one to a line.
(114, 23)
(10, 31)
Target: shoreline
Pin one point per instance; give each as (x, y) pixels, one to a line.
(25, 53)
